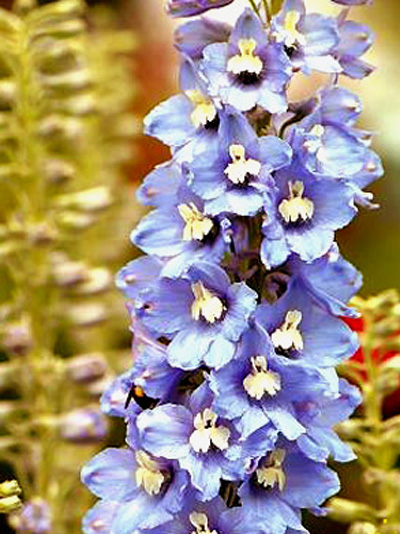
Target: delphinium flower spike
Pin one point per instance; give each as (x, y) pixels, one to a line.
(237, 311)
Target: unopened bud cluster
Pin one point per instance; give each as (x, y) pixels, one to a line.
(65, 92)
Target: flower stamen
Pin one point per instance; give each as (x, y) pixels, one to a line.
(197, 225)
(206, 304)
(207, 433)
(241, 168)
(204, 110)
(296, 206)
(246, 61)
(261, 381)
(271, 473)
(200, 522)
(148, 475)
(288, 336)
(292, 35)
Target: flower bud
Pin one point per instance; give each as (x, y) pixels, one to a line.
(97, 281)
(9, 504)
(7, 94)
(17, 337)
(75, 221)
(58, 171)
(346, 511)
(90, 200)
(89, 314)
(67, 273)
(188, 8)
(84, 426)
(68, 128)
(363, 528)
(86, 368)
(9, 488)
(34, 518)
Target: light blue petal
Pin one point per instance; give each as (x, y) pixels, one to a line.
(165, 430)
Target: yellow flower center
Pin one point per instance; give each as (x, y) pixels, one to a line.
(207, 433)
(241, 168)
(296, 206)
(246, 60)
(197, 225)
(271, 473)
(292, 35)
(288, 336)
(148, 475)
(206, 304)
(261, 381)
(204, 110)
(200, 523)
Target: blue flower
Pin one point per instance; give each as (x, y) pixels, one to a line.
(331, 280)
(138, 275)
(188, 8)
(236, 314)
(192, 37)
(259, 387)
(183, 234)
(208, 518)
(291, 324)
(327, 142)
(203, 313)
(320, 441)
(249, 70)
(235, 180)
(148, 490)
(188, 122)
(309, 40)
(99, 519)
(203, 443)
(355, 41)
(113, 399)
(281, 483)
(160, 187)
(302, 215)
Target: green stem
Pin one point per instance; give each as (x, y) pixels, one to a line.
(255, 8)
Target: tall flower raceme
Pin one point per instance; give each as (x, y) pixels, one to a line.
(237, 310)
(64, 139)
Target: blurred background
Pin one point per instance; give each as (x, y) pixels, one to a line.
(371, 242)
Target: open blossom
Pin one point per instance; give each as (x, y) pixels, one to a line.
(309, 40)
(239, 312)
(248, 69)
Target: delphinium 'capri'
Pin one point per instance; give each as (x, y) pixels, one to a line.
(238, 309)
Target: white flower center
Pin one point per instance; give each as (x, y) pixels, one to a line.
(241, 168)
(197, 225)
(206, 304)
(291, 35)
(288, 336)
(148, 475)
(296, 206)
(261, 381)
(204, 110)
(271, 473)
(246, 60)
(200, 522)
(207, 433)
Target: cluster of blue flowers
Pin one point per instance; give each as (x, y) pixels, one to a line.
(237, 308)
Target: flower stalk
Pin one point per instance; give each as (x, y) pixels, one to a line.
(60, 188)
(238, 306)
